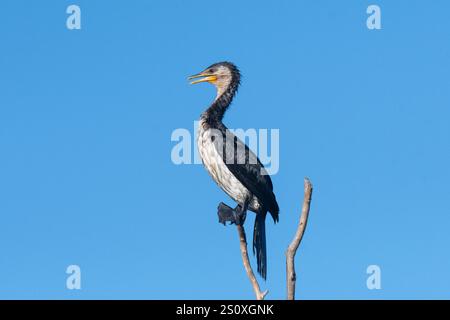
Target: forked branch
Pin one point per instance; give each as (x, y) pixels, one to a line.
(291, 276)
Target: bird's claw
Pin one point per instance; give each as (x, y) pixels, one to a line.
(226, 213)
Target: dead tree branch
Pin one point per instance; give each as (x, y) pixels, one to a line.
(292, 248)
(243, 244)
(290, 252)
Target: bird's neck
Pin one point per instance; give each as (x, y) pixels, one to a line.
(214, 114)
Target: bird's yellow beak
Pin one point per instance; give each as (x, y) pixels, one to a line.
(206, 77)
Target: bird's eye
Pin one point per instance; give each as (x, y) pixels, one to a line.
(212, 70)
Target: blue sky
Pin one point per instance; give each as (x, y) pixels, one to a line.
(86, 118)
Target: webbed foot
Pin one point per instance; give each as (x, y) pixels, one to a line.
(236, 215)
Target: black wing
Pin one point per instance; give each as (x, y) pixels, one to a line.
(249, 170)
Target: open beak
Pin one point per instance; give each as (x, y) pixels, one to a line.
(205, 77)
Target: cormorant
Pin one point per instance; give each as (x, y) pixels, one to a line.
(232, 165)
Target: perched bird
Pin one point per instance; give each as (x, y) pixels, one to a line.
(232, 165)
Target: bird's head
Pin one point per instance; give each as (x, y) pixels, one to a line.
(221, 74)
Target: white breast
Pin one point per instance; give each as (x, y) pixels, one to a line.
(218, 170)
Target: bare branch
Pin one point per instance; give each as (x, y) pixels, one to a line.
(292, 248)
(243, 244)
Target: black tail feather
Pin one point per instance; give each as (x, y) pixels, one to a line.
(259, 243)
